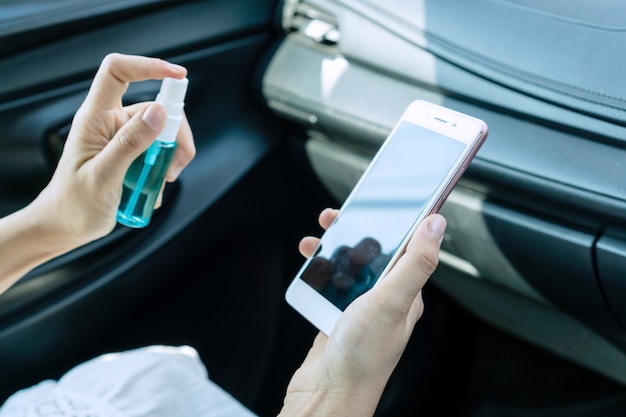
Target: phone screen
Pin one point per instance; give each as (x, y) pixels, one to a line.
(381, 210)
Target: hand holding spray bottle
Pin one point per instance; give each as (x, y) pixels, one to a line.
(144, 178)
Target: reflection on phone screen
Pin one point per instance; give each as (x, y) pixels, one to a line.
(375, 221)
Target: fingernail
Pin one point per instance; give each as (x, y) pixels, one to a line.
(154, 117)
(177, 68)
(173, 173)
(159, 201)
(437, 227)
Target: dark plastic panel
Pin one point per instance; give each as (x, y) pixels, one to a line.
(550, 51)
(56, 314)
(556, 260)
(160, 33)
(556, 169)
(231, 136)
(62, 311)
(570, 184)
(20, 16)
(39, 99)
(611, 258)
(540, 151)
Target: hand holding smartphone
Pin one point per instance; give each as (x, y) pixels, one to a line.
(409, 178)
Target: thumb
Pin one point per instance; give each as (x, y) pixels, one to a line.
(407, 277)
(134, 137)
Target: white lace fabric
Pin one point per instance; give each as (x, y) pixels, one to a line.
(156, 381)
(47, 399)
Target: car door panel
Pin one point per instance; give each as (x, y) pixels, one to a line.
(611, 259)
(183, 27)
(116, 293)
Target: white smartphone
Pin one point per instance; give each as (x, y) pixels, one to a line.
(409, 178)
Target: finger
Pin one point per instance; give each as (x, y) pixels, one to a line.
(327, 217)
(403, 283)
(308, 245)
(131, 140)
(117, 70)
(135, 108)
(185, 151)
(159, 200)
(185, 146)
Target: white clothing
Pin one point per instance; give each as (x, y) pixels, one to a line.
(156, 381)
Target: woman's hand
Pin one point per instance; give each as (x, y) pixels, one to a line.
(80, 202)
(346, 373)
(82, 198)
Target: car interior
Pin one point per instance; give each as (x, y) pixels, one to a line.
(288, 102)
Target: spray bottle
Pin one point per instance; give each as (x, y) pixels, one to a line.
(144, 178)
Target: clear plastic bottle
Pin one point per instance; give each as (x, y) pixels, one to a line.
(144, 178)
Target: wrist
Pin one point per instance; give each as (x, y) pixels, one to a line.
(337, 400)
(49, 236)
(68, 220)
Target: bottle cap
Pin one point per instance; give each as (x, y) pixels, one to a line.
(172, 98)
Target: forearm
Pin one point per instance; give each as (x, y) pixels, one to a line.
(26, 241)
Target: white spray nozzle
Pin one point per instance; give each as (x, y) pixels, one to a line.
(172, 98)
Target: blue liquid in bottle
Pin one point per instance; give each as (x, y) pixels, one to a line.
(144, 178)
(142, 184)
